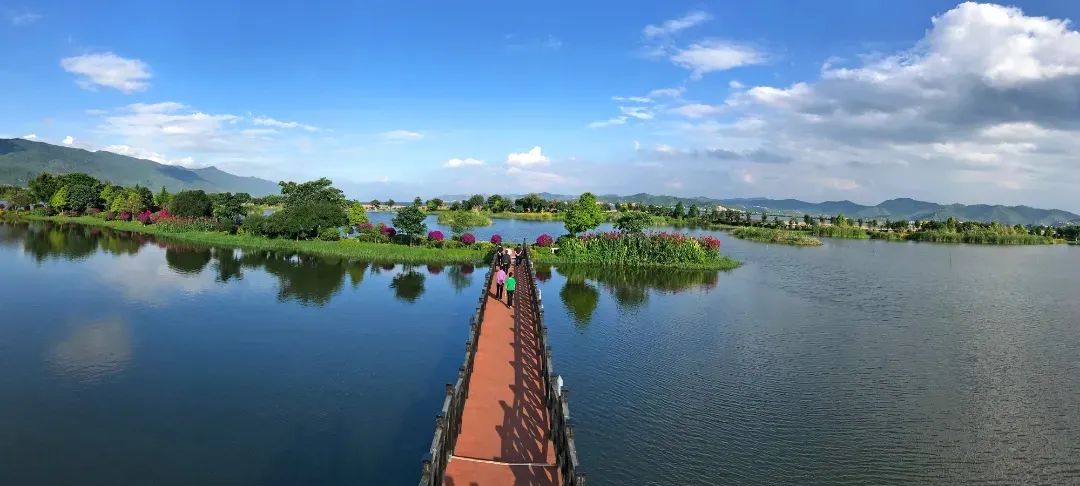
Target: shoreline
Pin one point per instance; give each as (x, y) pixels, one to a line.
(375, 252)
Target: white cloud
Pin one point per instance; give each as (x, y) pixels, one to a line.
(468, 161)
(698, 110)
(68, 140)
(666, 93)
(987, 99)
(401, 136)
(25, 18)
(270, 122)
(639, 112)
(674, 26)
(29, 136)
(716, 55)
(633, 99)
(534, 157)
(109, 70)
(735, 84)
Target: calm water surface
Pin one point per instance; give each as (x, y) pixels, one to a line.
(128, 361)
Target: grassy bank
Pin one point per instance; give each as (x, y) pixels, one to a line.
(847, 232)
(769, 235)
(980, 238)
(660, 250)
(378, 252)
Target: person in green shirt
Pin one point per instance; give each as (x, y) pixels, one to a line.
(511, 286)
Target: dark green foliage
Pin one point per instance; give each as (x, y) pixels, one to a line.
(410, 220)
(317, 191)
(305, 221)
(43, 187)
(191, 204)
(474, 202)
(434, 204)
(81, 197)
(227, 207)
(841, 231)
(253, 224)
(633, 222)
(329, 234)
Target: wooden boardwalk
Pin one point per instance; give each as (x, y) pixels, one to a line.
(505, 428)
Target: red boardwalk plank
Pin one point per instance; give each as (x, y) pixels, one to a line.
(504, 429)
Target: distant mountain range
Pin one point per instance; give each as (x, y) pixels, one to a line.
(22, 160)
(895, 209)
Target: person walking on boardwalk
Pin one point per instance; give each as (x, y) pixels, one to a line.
(505, 260)
(500, 281)
(511, 286)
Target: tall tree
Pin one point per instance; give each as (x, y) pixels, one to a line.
(410, 220)
(434, 204)
(320, 190)
(584, 215)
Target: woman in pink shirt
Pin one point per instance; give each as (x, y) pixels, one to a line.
(500, 281)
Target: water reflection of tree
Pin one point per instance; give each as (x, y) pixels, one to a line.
(305, 278)
(629, 287)
(459, 279)
(408, 285)
(188, 260)
(581, 300)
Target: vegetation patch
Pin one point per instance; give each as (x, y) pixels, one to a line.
(770, 235)
(639, 249)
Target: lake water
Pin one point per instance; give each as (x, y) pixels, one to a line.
(127, 361)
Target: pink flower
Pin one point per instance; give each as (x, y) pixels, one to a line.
(496, 239)
(435, 235)
(468, 238)
(544, 240)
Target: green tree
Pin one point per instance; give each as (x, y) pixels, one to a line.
(375, 204)
(462, 220)
(474, 202)
(417, 201)
(410, 220)
(390, 203)
(584, 215)
(43, 187)
(434, 204)
(633, 222)
(693, 212)
(191, 204)
(496, 203)
(227, 207)
(162, 198)
(842, 220)
(356, 214)
(19, 198)
(146, 197)
(679, 210)
(806, 219)
(59, 199)
(81, 197)
(305, 220)
(320, 190)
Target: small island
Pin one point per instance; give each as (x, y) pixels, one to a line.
(316, 217)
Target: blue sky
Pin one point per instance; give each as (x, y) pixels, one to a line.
(817, 100)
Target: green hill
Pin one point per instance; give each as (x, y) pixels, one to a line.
(22, 160)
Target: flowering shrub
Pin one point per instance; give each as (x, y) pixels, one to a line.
(93, 211)
(110, 216)
(468, 238)
(144, 217)
(160, 215)
(710, 243)
(364, 227)
(544, 240)
(434, 268)
(125, 216)
(387, 230)
(435, 235)
(496, 239)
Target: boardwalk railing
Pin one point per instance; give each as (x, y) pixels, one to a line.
(448, 422)
(555, 395)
